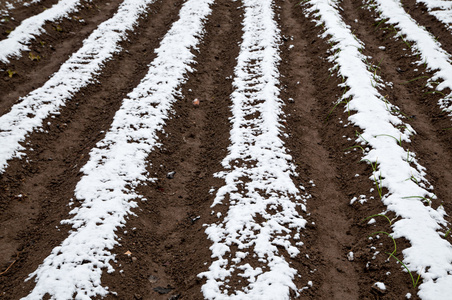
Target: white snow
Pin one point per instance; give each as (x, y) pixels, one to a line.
(429, 254)
(258, 174)
(441, 9)
(77, 72)
(7, 6)
(380, 285)
(117, 165)
(23, 34)
(422, 43)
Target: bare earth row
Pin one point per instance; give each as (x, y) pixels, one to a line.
(316, 162)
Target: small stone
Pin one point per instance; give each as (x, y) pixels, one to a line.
(153, 279)
(170, 175)
(162, 290)
(138, 296)
(134, 259)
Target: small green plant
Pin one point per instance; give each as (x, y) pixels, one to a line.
(413, 179)
(408, 157)
(415, 283)
(379, 186)
(34, 57)
(58, 28)
(418, 197)
(376, 180)
(356, 146)
(414, 79)
(435, 92)
(358, 134)
(379, 215)
(447, 233)
(11, 73)
(398, 140)
(373, 165)
(382, 21)
(344, 101)
(393, 240)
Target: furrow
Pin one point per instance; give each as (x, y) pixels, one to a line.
(106, 191)
(315, 146)
(259, 233)
(74, 74)
(166, 237)
(394, 168)
(23, 34)
(7, 7)
(423, 44)
(48, 175)
(48, 51)
(441, 10)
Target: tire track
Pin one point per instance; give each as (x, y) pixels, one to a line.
(47, 178)
(50, 50)
(167, 239)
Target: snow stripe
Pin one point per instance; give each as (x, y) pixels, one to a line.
(23, 34)
(77, 72)
(440, 9)
(429, 254)
(117, 165)
(424, 44)
(7, 6)
(262, 198)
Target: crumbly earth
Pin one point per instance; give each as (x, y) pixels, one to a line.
(166, 236)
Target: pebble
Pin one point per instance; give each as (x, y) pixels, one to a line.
(153, 279)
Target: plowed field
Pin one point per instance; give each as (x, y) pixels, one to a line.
(218, 149)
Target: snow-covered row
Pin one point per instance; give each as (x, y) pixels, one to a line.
(424, 44)
(397, 170)
(441, 9)
(117, 165)
(77, 72)
(263, 202)
(7, 6)
(23, 34)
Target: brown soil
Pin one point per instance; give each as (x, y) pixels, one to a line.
(166, 236)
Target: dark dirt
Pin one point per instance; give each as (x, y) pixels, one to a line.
(14, 17)
(166, 237)
(169, 241)
(53, 47)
